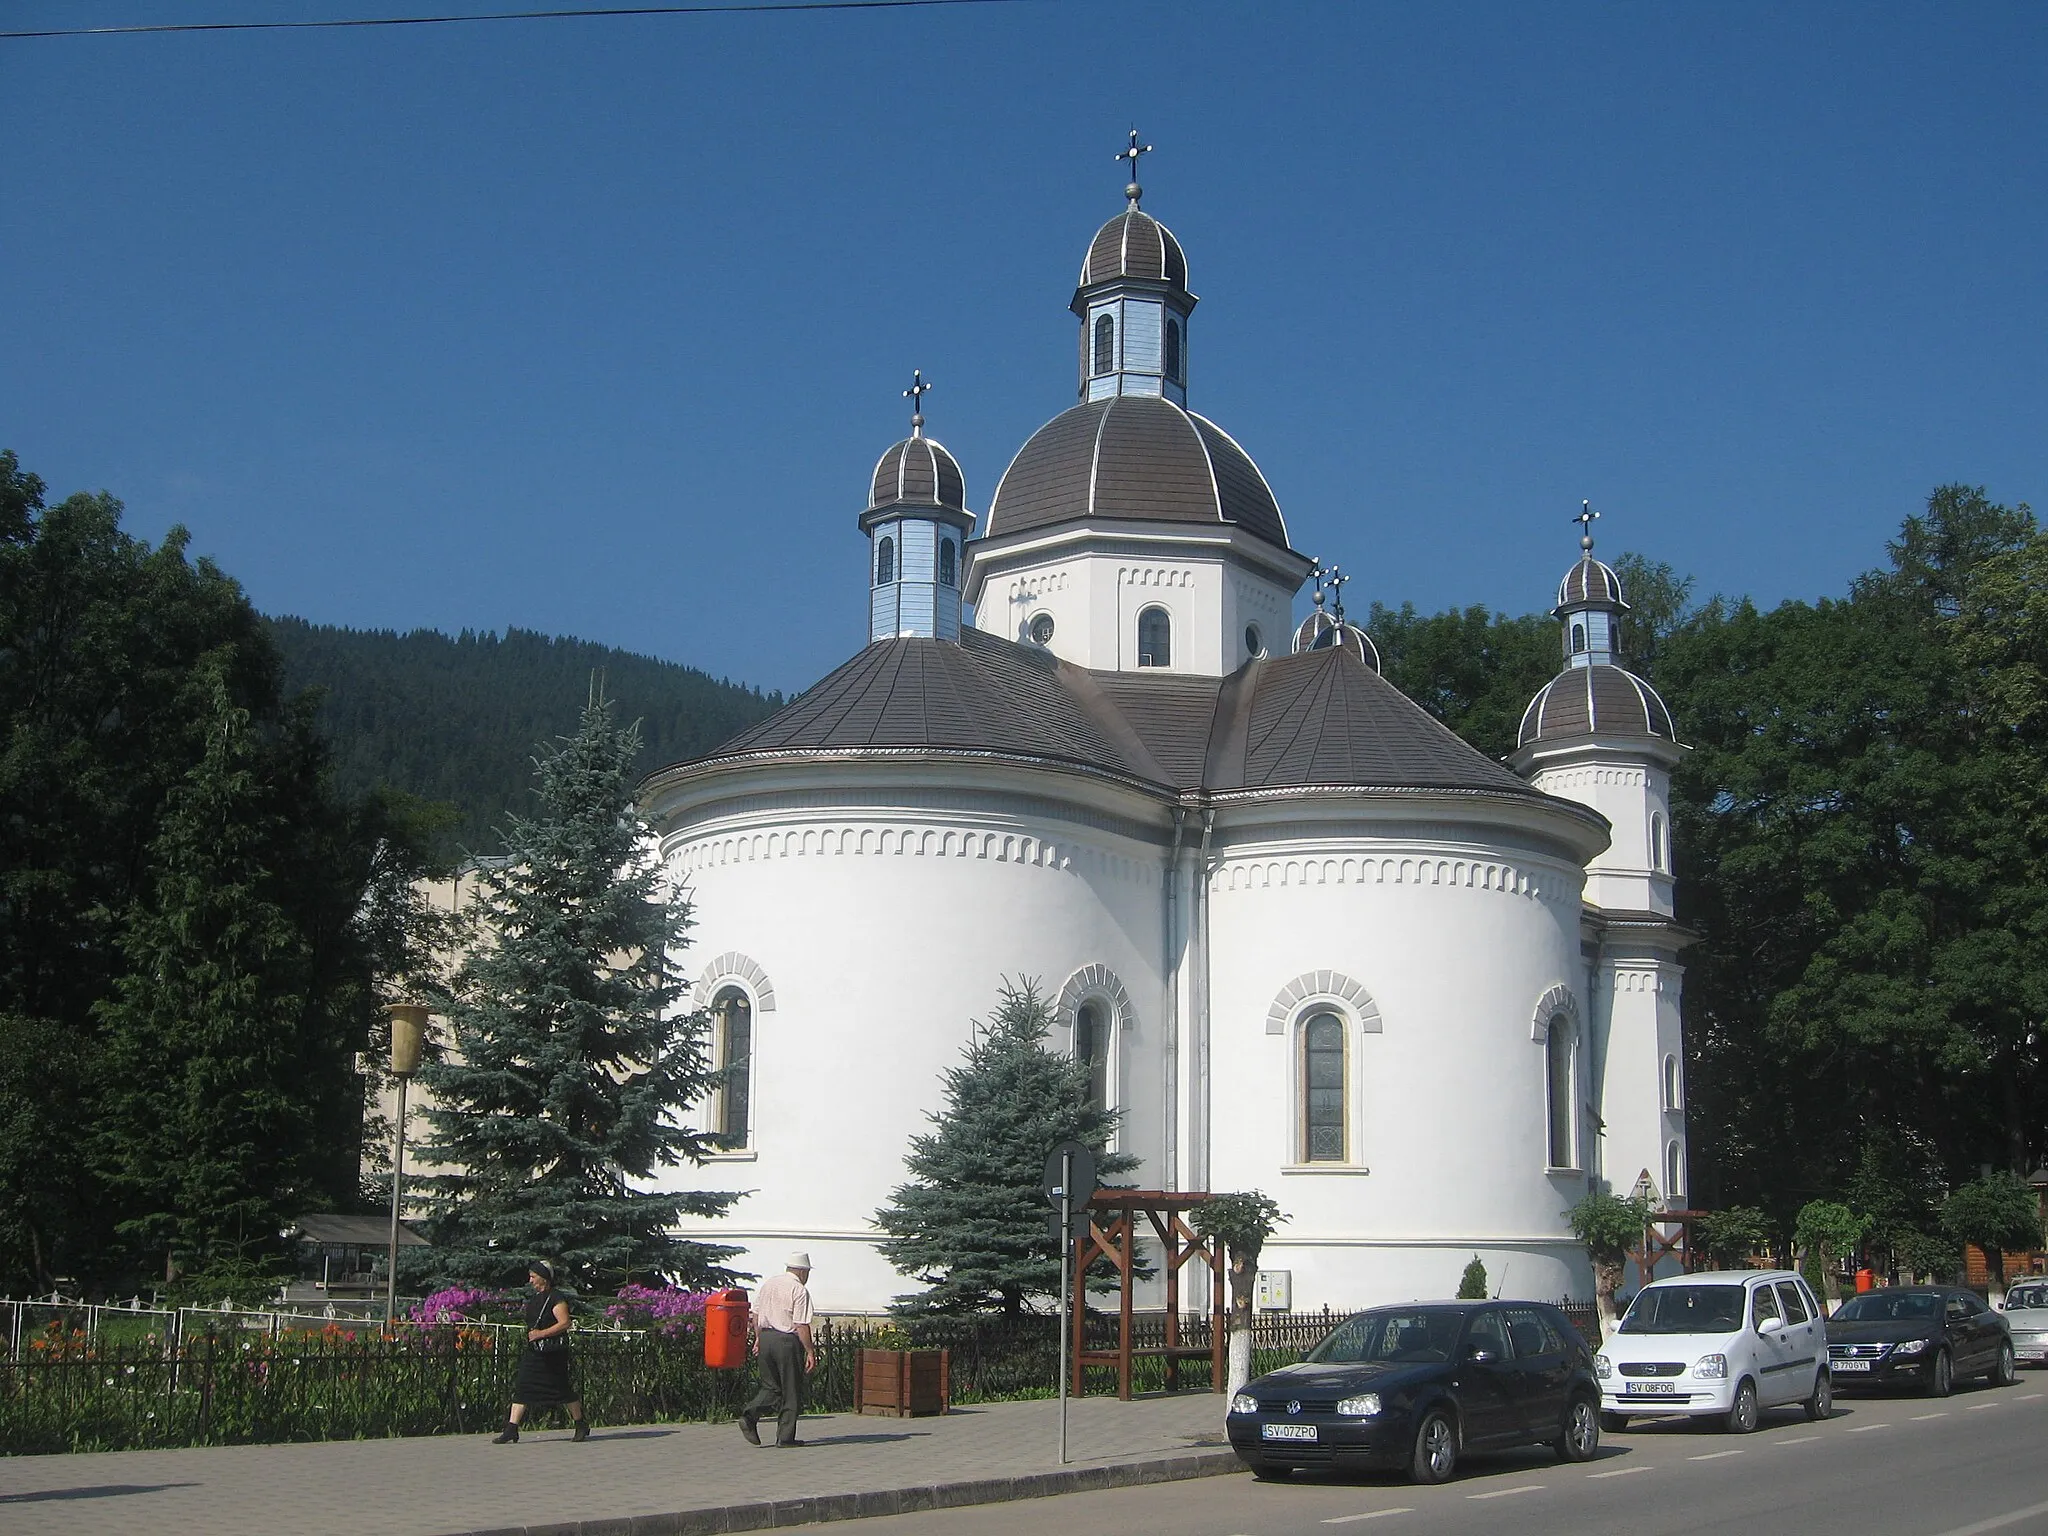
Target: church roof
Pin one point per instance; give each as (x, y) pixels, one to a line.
(918, 472)
(1321, 719)
(1595, 700)
(1136, 457)
(1590, 583)
(1134, 244)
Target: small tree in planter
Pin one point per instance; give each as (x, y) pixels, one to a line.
(1998, 1213)
(1243, 1222)
(1608, 1225)
(1827, 1232)
(1472, 1285)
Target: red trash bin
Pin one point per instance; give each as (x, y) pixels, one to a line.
(725, 1330)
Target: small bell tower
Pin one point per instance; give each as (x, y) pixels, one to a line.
(917, 525)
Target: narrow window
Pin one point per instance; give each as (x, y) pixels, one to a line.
(1578, 638)
(1322, 1089)
(1173, 350)
(1557, 1049)
(1091, 1050)
(1155, 638)
(1671, 1083)
(732, 1028)
(1674, 1172)
(1105, 345)
(948, 575)
(885, 561)
(1659, 855)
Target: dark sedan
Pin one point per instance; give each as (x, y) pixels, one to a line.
(1922, 1336)
(1416, 1387)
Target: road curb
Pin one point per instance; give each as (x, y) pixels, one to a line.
(774, 1514)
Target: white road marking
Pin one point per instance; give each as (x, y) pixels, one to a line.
(2032, 1397)
(1501, 1493)
(1796, 1440)
(1371, 1514)
(1864, 1429)
(1978, 1407)
(1618, 1472)
(1713, 1456)
(1999, 1522)
(1921, 1418)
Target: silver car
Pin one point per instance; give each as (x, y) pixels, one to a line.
(2026, 1310)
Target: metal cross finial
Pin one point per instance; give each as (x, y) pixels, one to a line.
(1134, 191)
(1317, 572)
(1337, 580)
(915, 395)
(1586, 518)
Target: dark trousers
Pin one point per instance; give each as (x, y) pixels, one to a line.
(782, 1382)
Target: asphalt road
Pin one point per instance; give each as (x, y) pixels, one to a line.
(1960, 1466)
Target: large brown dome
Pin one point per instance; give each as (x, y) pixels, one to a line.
(1598, 700)
(1134, 244)
(1138, 458)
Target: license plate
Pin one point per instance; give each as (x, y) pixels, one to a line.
(1849, 1365)
(2030, 1354)
(1287, 1431)
(1650, 1389)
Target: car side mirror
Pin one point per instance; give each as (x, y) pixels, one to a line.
(1770, 1325)
(1479, 1354)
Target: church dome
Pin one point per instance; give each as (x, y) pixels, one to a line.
(1589, 582)
(920, 473)
(1139, 458)
(1134, 244)
(1601, 700)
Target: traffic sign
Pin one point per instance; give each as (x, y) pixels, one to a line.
(1070, 1165)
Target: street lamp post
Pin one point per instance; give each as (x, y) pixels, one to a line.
(408, 1036)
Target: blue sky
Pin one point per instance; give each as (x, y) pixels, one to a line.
(597, 326)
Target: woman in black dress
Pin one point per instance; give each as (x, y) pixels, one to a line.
(543, 1380)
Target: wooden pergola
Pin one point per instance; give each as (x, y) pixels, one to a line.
(1113, 1232)
(1660, 1243)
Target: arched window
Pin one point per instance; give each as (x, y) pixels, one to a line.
(1091, 1050)
(1660, 854)
(1173, 350)
(732, 1044)
(1105, 345)
(948, 572)
(1322, 1089)
(1674, 1174)
(885, 561)
(1155, 638)
(1671, 1082)
(1578, 638)
(1557, 1056)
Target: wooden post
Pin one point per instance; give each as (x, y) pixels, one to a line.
(1126, 1232)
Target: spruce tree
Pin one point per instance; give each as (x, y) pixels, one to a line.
(571, 1058)
(971, 1225)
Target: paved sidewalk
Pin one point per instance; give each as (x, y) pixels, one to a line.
(646, 1480)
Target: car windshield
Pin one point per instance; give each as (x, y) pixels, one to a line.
(1414, 1335)
(1878, 1308)
(1685, 1309)
(2022, 1298)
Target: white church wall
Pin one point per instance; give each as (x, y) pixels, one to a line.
(1642, 1032)
(1454, 946)
(883, 935)
(1634, 794)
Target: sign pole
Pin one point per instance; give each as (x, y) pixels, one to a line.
(1066, 1278)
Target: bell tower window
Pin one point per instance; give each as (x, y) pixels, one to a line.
(1155, 638)
(1105, 344)
(885, 561)
(1173, 350)
(949, 574)
(1578, 638)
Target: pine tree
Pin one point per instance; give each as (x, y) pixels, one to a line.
(971, 1224)
(571, 1058)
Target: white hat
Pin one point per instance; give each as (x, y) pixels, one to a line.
(798, 1261)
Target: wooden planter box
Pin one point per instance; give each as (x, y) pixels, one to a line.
(903, 1383)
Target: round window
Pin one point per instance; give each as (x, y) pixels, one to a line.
(1041, 629)
(1254, 642)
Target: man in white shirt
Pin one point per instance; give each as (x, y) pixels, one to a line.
(785, 1349)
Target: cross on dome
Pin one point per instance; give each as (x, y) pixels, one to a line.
(1131, 153)
(1585, 519)
(915, 395)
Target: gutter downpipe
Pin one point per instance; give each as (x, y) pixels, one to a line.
(1198, 1152)
(1169, 971)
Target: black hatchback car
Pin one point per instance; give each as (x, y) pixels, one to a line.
(1922, 1336)
(1417, 1386)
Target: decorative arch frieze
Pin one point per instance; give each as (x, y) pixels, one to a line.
(730, 966)
(1101, 982)
(1325, 984)
(1253, 874)
(1558, 999)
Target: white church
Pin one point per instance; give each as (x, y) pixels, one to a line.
(1308, 941)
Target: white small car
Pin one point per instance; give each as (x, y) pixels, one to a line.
(1724, 1346)
(2026, 1312)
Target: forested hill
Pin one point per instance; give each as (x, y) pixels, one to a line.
(456, 719)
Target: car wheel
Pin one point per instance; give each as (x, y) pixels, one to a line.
(1821, 1403)
(1941, 1376)
(1742, 1414)
(1614, 1423)
(2006, 1371)
(1581, 1437)
(1266, 1474)
(1436, 1448)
